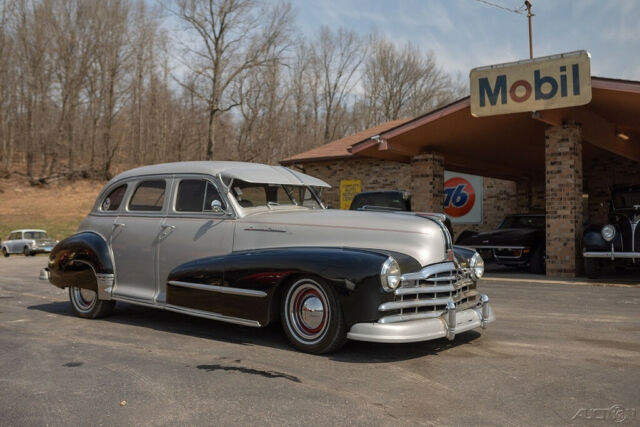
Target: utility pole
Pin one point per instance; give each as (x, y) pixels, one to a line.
(527, 4)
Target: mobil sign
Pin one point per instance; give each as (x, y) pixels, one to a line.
(463, 197)
(537, 84)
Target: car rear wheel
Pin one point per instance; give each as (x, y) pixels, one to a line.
(312, 317)
(5, 253)
(592, 268)
(85, 303)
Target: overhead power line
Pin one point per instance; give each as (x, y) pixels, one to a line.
(519, 11)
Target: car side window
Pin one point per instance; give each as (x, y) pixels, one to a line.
(149, 196)
(196, 195)
(114, 199)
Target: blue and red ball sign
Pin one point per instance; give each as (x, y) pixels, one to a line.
(459, 197)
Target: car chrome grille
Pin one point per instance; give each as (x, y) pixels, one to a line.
(427, 297)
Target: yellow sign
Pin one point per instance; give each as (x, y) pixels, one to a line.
(555, 81)
(348, 189)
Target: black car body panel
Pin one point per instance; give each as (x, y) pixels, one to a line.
(353, 273)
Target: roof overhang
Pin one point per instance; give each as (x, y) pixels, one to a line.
(511, 146)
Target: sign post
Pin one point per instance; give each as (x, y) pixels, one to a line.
(555, 81)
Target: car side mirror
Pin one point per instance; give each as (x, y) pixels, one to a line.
(216, 206)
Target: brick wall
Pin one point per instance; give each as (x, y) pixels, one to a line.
(601, 172)
(499, 195)
(375, 174)
(563, 172)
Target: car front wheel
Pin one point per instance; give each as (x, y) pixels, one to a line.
(26, 251)
(592, 268)
(5, 252)
(85, 303)
(312, 317)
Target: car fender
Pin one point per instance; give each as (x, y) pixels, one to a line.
(354, 275)
(82, 260)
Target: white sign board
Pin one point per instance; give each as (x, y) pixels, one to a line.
(537, 84)
(463, 197)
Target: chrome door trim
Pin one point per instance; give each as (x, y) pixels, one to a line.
(221, 289)
(212, 316)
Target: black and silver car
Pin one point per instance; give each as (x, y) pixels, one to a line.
(253, 244)
(518, 241)
(617, 242)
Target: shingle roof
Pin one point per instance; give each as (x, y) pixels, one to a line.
(340, 148)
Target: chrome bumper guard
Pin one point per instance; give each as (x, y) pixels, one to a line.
(452, 322)
(612, 255)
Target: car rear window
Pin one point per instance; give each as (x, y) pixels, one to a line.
(149, 196)
(114, 199)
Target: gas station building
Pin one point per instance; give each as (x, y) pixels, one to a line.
(560, 161)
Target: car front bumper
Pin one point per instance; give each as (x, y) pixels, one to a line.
(447, 325)
(612, 255)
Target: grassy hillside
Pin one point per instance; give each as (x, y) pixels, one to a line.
(57, 208)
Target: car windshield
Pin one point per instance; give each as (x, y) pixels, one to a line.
(249, 195)
(391, 201)
(35, 235)
(627, 200)
(523, 222)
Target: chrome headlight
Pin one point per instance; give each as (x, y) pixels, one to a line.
(476, 264)
(608, 232)
(390, 275)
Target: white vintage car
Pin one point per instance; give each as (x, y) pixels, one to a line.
(252, 244)
(27, 242)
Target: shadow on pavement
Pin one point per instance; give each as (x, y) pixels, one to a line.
(270, 336)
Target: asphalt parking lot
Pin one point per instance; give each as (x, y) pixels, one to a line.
(556, 351)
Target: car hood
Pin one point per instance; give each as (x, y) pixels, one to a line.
(502, 237)
(420, 238)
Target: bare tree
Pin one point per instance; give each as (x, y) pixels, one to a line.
(338, 57)
(235, 36)
(402, 81)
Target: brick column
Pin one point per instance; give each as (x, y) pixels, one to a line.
(523, 195)
(563, 170)
(427, 183)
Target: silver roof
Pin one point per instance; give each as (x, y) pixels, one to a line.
(22, 230)
(249, 172)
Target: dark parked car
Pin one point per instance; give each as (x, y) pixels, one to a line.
(618, 241)
(388, 201)
(519, 240)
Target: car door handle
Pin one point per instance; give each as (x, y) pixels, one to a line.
(167, 226)
(118, 224)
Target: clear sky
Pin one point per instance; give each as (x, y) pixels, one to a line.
(468, 33)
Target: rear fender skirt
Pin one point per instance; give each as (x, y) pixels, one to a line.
(353, 274)
(82, 260)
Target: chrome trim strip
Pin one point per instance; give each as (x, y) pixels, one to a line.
(135, 301)
(613, 255)
(497, 247)
(413, 303)
(429, 271)
(408, 317)
(213, 316)
(425, 289)
(221, 289)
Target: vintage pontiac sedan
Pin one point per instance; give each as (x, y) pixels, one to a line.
(250, 244)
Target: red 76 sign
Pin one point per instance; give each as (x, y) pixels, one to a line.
(459, 197)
